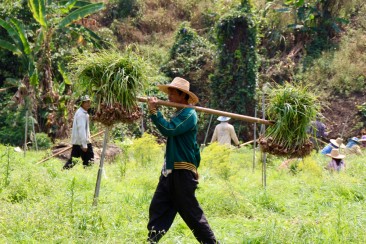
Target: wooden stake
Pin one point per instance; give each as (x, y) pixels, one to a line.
(211, 111)
(100, 171)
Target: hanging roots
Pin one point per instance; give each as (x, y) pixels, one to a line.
(111, 114)
(298, 151)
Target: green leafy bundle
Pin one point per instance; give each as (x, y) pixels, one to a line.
(292, 108)
(113, 80)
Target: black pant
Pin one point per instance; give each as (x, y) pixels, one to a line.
(77, 152)
(176, 194)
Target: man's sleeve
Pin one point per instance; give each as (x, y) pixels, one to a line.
(178, 125)
(214, 136)
(81, 125)
(233, 135)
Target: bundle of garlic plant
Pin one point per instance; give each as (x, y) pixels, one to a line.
(292, 108)
(113, 80)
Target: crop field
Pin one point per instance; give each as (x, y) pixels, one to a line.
(301, 203)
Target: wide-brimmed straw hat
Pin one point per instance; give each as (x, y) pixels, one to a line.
(223, 118)
(182, 85)
(335, 154)
(338, 142)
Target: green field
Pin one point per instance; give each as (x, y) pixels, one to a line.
(302, 204)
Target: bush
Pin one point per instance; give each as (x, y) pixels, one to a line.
(146, 150)
(43, 141)
(11, 124)
(126, 8)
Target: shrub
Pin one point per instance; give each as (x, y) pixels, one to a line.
(43, 141)
(12, 124)
(126, 8)
(146, 150)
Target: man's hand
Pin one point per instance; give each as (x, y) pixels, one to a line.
(152, 103)
(84, 149)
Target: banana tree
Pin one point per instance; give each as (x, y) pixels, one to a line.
(53, 19)
(36, 49)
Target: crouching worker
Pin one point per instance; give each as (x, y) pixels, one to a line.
(178, 181)
(353, 146)
(334, 144)
(80, 137)
(337, 163)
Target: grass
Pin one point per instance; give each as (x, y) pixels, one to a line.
(42, 203)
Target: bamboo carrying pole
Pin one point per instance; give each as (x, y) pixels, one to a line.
(211, 111)
(248, 142)
(100, 170)
(64, 150)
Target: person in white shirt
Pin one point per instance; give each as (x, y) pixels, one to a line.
(224, 132)
(80, 137)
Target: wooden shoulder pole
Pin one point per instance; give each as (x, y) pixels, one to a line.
(211, 111)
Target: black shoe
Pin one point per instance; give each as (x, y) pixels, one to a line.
(68, 166)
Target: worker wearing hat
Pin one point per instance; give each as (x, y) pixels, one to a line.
(353, 146)
(80, 137)
(178, 181)
(224, 132)
(337, 163)
(334, 144)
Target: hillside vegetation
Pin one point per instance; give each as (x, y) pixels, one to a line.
(320, 43)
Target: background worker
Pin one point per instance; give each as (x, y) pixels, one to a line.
(224, 132)
(363, 137)
(353, 146)
(334, 144)
(317, 132)
(337, 163)
(80, 137)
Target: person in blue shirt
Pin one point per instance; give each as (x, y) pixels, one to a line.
(334, 144)
(353, 147)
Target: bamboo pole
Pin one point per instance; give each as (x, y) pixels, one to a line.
(248, 142)
(64, 150)
(100, 170)
(25, 131)
(211, 111)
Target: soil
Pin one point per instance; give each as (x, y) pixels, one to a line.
(342, 117)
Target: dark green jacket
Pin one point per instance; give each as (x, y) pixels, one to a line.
(181, 132)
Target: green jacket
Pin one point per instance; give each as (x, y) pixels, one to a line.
(181, 133)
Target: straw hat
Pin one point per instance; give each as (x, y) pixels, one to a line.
(182, 85)
(223, 118)
(335, 154)
(338, 142)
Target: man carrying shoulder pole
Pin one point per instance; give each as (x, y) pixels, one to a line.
(178, 181)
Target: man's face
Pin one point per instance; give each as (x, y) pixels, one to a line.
(175, 97)
(86, 105)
